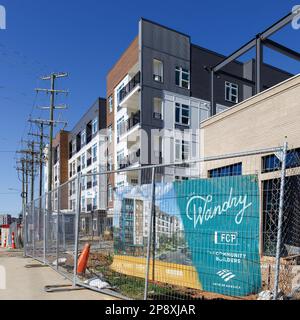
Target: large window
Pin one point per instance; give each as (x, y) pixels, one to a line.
(273, 163)
(182, 77)
(182, 114)
(158, 70)
(110, 104)
(231, 92)
(121, 127)
(270, 206)
(74, 147)
(121, 159)
(157, 108)
(232, 170)
(95, 225)
(94, 178)
(94, 152)
(83, 162)
(83, 203)
(182, 150)
(95, 126)
(83, 137)
(110, 193)
(109, 163)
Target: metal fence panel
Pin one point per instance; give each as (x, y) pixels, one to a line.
(199, 229)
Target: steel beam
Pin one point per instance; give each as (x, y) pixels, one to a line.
(252, 43)
(244, 49)
(278, 25)
(282, 49)
(258, 64)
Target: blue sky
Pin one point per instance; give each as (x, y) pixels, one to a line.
(85, 38)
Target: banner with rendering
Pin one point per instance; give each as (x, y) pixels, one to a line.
(210, 226)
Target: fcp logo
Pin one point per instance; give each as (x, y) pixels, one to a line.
(296, 19)
(2, 18)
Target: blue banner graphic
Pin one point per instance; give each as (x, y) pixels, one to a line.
(221, 226)
(210, 224)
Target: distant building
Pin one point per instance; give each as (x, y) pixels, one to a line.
(5, 219)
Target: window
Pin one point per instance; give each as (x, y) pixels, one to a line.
(272, 163)
(121, 127)
(94, 152)
(83, 138)
(182, 77)
(228, 171)
(120, 158)
(95, 201)
(110, 104)
(83, 203)
(95, 126)
(231, 92)
(73, 187)
(182, 150)
(109, 164)
(110, 193)
(74, 148)
(109, 134)
(157, 108)
(119, 92)
(73, 168)
(178, 178)
(158, 70)
(95, 225)
(83, 161)
(182, 114)
(94, 178)
(83, 224)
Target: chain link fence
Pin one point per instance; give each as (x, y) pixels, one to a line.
(201, 229)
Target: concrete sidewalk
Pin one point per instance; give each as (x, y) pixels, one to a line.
(28, 284)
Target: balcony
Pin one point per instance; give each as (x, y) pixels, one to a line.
(129, 161)
(157, 116)
(89, 138)
(128, 96)
(89, 185)
(127, 127)
(89, 162)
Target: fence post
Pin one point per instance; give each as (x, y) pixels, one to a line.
(24, 230)
(77, 221)
(57, 227)
(33, 227)
(280, 221)
(45, 225)
(150, 224)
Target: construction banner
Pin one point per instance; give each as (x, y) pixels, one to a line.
(221, 226)
(206, 233)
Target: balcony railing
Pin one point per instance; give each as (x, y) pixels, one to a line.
(130, 123)
(130, 86)
(157, 116)
(130, 160)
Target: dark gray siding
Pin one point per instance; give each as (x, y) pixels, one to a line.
(173, 49)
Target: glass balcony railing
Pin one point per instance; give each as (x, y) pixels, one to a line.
(130, 86)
